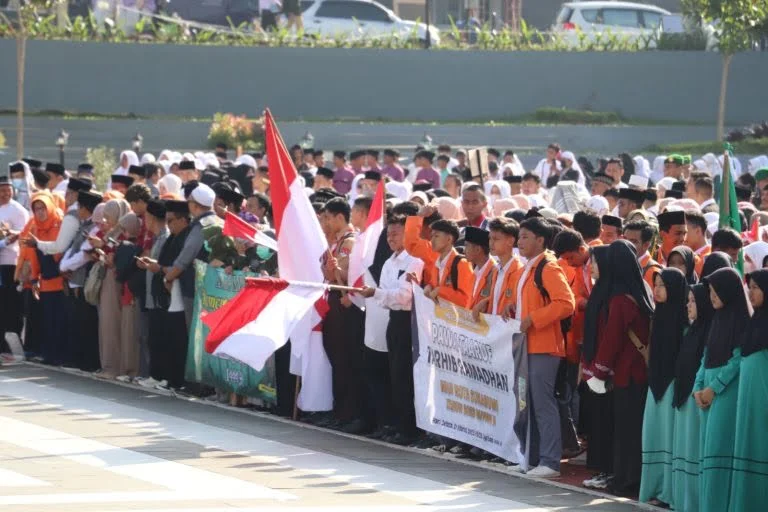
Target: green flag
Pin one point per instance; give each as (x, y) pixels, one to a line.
(729, 205)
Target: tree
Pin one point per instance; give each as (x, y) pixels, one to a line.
(735, 22)
(26, 12)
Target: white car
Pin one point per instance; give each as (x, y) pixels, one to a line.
(357, 19)
(625, 19)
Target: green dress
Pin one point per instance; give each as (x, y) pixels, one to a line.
(718, 433)
(658, 431)
(749, 486)
(685, 457)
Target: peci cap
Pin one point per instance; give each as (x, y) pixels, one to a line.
(32, 163)
(136, 169)
(674, 194)
(229, 196)
(88, 200)
(513, 179)
(421, 186)
(157, 208)
(16, 167)
(177, 207)
(679, 185)
(54, 168)
(78, 184)
(373, 175)
(669, 219)
(637, 196)
(324, 171)
(186, 165)
(122, 179)
(611, 220)
(85, 167)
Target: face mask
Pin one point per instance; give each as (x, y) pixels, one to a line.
(19, 184)
(264, 253)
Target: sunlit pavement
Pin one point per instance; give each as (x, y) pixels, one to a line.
(69, 443)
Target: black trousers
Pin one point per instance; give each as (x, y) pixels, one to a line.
(176, 325)
(10, 306)
(378, 383)
(285, 382)
(599, 422)
(399, 344)
(343, 331)
(628, 409)
(83, 341)
(54, 318)
(158, 355)
(33, 314)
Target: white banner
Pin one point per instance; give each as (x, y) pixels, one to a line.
(464, 377)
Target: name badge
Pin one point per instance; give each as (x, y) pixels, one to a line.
(508, 293)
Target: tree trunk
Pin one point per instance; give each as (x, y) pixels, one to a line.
(21, 52)
(723, 91)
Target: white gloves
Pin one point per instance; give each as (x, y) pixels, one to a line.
(596, 385)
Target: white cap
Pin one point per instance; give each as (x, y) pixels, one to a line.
(638, 181)
(199, 165)
(148, 158)
(712, 227)
(246, 160)
(203, 195)
(712, 217)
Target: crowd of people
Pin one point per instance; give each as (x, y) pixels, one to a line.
(645, 319)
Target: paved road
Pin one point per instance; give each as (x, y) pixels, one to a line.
(69, 444)
(530, 141)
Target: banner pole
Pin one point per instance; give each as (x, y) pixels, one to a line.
(296, 399)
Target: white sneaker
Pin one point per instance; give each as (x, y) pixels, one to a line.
(596, 481)
(163, 384)
(543, 472)
(517, 468)
(124, 378)
(14, 343)
(149, 382)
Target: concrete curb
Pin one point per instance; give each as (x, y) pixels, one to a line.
(278, 419)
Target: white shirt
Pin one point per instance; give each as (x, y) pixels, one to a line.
(67, 232)
(499, 285)
(177, 302)
(73, 261)
(394, 292)
(544, 169)
(61, 188)
(707, 203)
(479, 271)
(15, 217)
(519, 305)
(376, 320)
(441, 263)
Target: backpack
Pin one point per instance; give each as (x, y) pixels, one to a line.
(565, 324)
(92, 287)
(454, 274)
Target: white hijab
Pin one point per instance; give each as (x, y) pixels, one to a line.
(22, 197)
(757, 252)
(757, 163)
(399, 189)
(171, 183)
(658, 168)
(642, 166)
(148, 158)
(735, 166)
(133, 159)
(504, 189)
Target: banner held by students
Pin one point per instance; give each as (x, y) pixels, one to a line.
(213, 289)
(464, 378)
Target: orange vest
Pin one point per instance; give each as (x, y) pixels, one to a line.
(483, 284)
(461, 295)
(508, 291)
(420, 248)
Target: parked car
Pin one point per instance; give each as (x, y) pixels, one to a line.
(212, 12)
(360, 18)
(679, 24)
(627, 19)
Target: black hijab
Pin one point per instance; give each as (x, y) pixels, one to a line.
(598, 299)
(669, 321)
(715, 261)
(692, 348)
(628, 281)
(689, 258)
(728, 322)
(756, 336)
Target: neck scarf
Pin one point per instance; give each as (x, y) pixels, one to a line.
(692, 348)
(728, 322)
(756, 336)
(669, 321)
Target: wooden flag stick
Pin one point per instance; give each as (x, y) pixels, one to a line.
(324, 286)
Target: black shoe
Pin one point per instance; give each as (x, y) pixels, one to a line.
(381, 432)
(327, 422)
(400, 439)
(355, 427)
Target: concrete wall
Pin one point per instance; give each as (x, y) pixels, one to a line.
(369, 84)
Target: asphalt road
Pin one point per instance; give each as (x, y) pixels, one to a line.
(75, 444)
(529, 141)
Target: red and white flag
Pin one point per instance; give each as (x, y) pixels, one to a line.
(236, 227)
(364, 249)
(262, 317)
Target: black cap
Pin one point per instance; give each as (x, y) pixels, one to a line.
(16, 167)
(122, 179)
(88, 200)
(425, 154)
(513, 179)
(669, 219)
(356, 154)
(651, 194)
(421, 186)
(41, 177)
(54, 168)
(679, 185)
(674, 194)
(373, 175)
(187, 165)
(78, 184)
(476, 236)
(637, 196)
(85, 167)
(156, 209)
(611, 220)
(324, 171)
(229, 196)
(32, 163)
(136, 169)
(210, 178)
(188, 187)
(5, 180)
(177, 207)
(392, 153)
(340, 154)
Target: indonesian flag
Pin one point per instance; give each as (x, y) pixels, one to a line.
(263, 316)
(364, 249)
(236, 227)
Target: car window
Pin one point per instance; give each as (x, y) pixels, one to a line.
(651, 19)
(564, 16)
(306, 4)
(621, 18)
(348, 10)
(589, 15)
(333, 10)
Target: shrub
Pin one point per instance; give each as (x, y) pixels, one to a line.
(569, 116)
(2, 140)
(104, 162)
(235, 131)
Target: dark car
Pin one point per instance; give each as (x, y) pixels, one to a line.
(212, 12)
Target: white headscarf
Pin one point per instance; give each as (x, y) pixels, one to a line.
(735, 166)
(757, 163)
(246, 160)
(713, 165)
(147, 158)
(567, 197)
(171, 183)
(599, 204)
(757, 252)
(133, 159)
(419, 195)
(165, 154)
(353, 193)
(449, 208)
(515, 167)
(666, 183)
(399, 189)
(22, 197)
(568, 155)
(642, 166)
(658, 168)
(504, 189)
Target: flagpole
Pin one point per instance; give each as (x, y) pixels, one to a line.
(324, 286)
